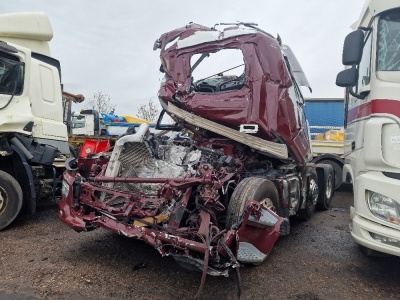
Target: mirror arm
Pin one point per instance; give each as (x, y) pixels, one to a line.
(358, 96)
(365, 28)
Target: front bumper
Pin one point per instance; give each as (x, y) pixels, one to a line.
(82, 210)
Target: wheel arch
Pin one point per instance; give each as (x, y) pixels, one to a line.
(14, 165)
(330, 157)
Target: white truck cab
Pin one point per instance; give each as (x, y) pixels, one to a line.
(371, 54)
(82, 124)
(35, 107)
(33, 136)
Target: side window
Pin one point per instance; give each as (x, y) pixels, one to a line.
(364, 68)
(296, 104)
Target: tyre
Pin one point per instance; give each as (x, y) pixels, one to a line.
(326, 182)
(257, 189)
(338, 169)
(312, 197)
(10, 199)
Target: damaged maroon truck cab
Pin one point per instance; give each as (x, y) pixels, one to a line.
(264, 95)
(221, 198)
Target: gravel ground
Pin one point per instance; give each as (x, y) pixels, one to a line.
(41, 258)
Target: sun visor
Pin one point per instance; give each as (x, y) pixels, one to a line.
(296, 68)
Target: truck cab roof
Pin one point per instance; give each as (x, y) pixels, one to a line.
(28, 29)
(373, 8)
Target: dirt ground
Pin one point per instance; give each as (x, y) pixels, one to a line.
(41, 258)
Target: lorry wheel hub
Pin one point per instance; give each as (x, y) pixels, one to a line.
(329, 187)
(268, 204)
(2, 198)
(313, 191)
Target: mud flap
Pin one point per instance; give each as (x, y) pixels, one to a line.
(257, 234)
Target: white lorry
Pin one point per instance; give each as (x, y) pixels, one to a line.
(90, 122)
(33, 136)
(372, 116)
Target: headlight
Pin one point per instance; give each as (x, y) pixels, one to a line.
(384, 207)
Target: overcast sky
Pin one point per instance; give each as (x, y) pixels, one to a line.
(107, 45)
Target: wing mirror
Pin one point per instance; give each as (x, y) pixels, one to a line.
(353, 48)
(351, 56)
(347, 78)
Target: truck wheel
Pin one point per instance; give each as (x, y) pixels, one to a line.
(257, 189)
(337, 166)
(10, 199)
(326, 184)
(312, 197)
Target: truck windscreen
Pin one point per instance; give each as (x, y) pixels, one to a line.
(10, 75)
(78, 121)
(388, 54)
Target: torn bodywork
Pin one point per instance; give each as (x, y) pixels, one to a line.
(223, 196)
(262, 92)
(176, 200)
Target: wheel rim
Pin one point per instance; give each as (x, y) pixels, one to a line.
(3, 199)
(313, 191)
(329, 187)
(267, 202)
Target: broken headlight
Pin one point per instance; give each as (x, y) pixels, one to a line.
(384, 207)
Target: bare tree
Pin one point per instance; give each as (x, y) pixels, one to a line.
(100, 102)
(148, 111)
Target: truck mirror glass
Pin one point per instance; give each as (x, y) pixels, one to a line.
(353, 47)
(347, 78)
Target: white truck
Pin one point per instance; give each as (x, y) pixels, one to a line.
(87, 122)
(371, 54)
(90, 122)
(33, 136)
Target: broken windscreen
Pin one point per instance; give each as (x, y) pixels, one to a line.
(10, 74)
(218, 72)
(388, 54)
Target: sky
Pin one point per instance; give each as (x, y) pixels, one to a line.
(107, 46)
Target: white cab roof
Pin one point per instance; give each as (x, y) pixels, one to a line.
(372, 8)
(29, 29)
